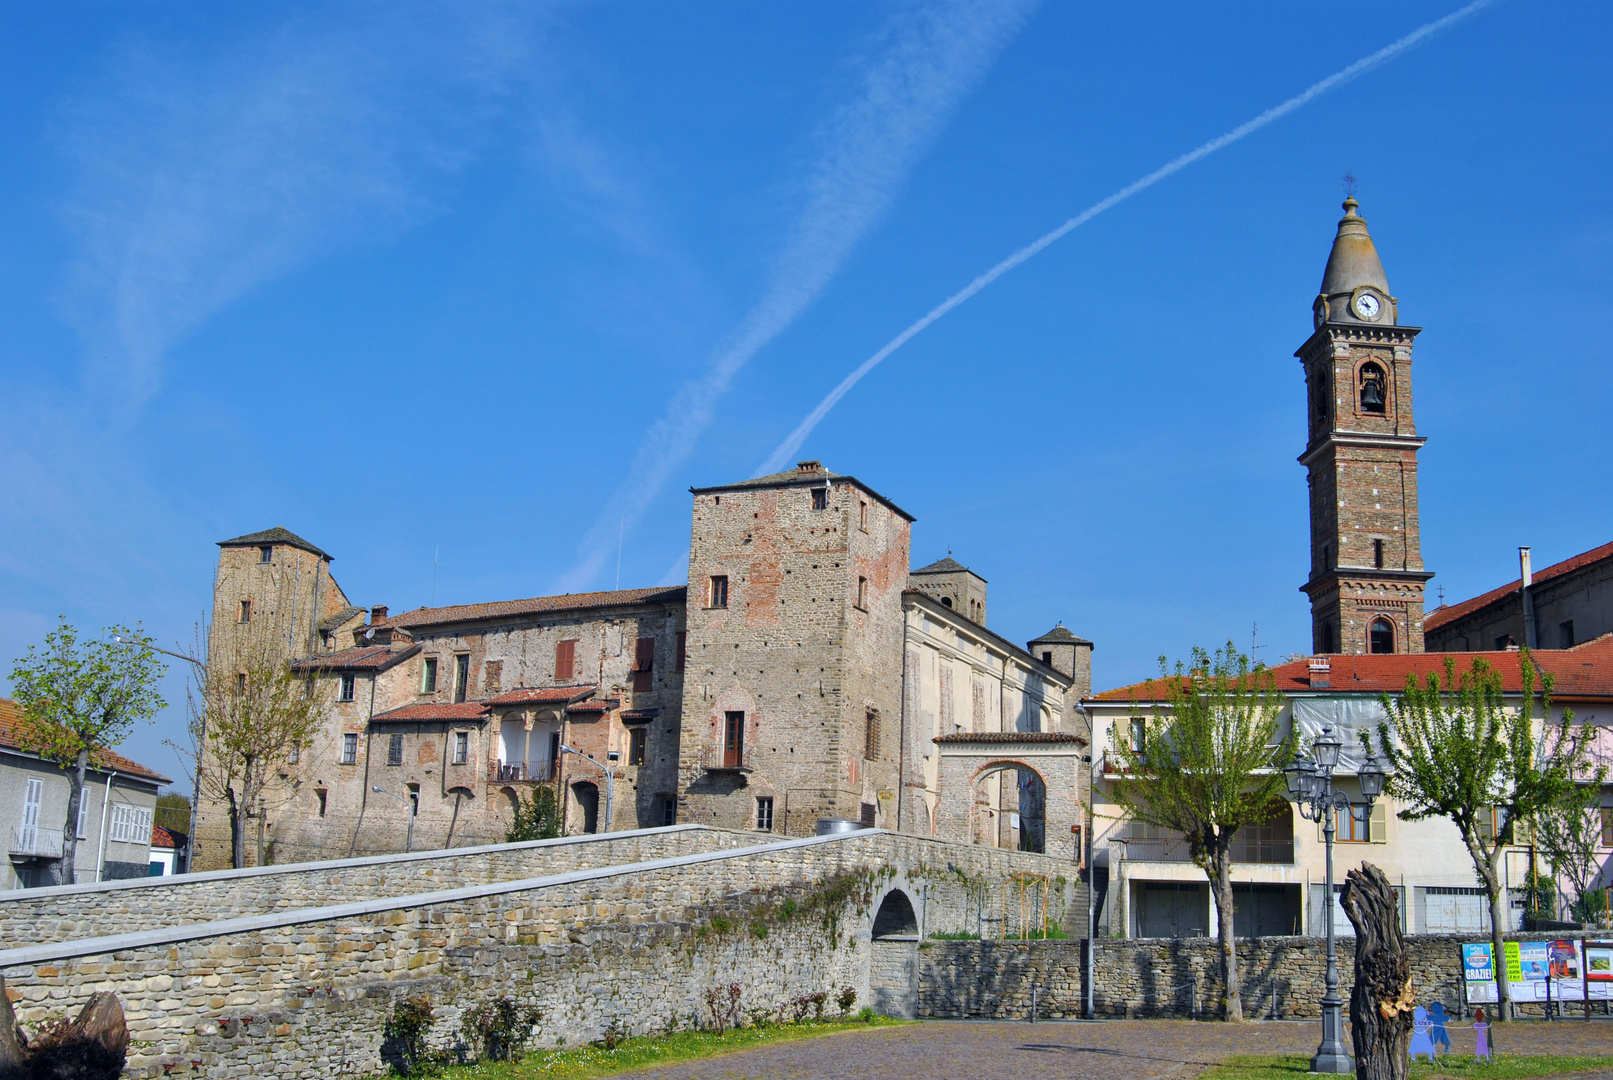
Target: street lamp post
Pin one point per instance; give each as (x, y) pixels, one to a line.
(610, 779)
(408, 843)
(196, 783)
(1310, 786)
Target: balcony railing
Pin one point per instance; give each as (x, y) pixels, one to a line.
(1271, 852)
(32, 840)
(519, 771)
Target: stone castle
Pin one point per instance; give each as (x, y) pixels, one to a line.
(803, 673)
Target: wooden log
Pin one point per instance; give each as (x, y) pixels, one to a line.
(13, 1064)
(93, 1047)
(1382, 1000)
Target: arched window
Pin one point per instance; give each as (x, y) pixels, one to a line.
(1381, 636)
(1321, 396)
(1373, 391)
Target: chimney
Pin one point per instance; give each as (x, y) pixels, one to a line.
(1321, 673)
(808, 466)
(1531, 630)
(377, 614)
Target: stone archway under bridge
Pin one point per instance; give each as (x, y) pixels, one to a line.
(1013, 789)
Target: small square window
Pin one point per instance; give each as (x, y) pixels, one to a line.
(862, 515)
(461, 676)
(394, 749)
(323, 798)
(1139, 734)
(764, 814)
(294, 755)
(635, 746)
(1565, 634)
(428, 678)
(870, 815)
(1377, 554)
(719, 591)
(246, 611)
(265, 554)
(349, 681)
(349, 748)
(820, 498)
(862, 593)
(461, 747)
(669, 810)
(1047, 658)
(240, 682)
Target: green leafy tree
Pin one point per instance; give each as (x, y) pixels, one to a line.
(537, 817)
(1204, 766)
(1567, 836)
(1457, 749)
(173, 812)
(78, 698)
(247, 716)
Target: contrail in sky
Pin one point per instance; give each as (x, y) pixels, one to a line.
(787, 449)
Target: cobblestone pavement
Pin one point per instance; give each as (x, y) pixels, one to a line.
(1114, 1050)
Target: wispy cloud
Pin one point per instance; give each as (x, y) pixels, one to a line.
(202, 175)
(786, 450)
(928, 60)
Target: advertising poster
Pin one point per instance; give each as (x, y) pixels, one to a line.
(1532, 965)
(1478, 974)
(1599, 969)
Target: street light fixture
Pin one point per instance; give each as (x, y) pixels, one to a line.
(408, 843)
(1310, 786)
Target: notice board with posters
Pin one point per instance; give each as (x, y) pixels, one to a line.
(1538, 971)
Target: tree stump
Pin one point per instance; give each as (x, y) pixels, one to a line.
(92, 1047)
(1381, 1002)
(13, 1066)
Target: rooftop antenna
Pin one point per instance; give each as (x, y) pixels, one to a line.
(1442, 596)
(434, 553)
(1349, 179)
(1254, 642)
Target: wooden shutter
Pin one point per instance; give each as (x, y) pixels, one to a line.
(565, 659)
(1379, 833)
(644, 665)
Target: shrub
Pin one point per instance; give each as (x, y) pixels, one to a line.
(723, 1001)
(403, 1038)
(846, 998)
(613, 1036)
(498, 1029)
(537, 817)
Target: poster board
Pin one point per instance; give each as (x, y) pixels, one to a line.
(1540, 971)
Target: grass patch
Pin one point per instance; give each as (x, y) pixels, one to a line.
(1461, 1066)
(583, 1062)
(953, 935)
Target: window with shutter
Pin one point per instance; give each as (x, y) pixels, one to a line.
(644, 665)
(565, 659)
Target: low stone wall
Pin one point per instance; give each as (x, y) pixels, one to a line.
(1282, 978)
(304, 993)
(65, 912)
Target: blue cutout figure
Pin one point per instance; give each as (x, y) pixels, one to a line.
(1436, 1027)
(1420, 1042)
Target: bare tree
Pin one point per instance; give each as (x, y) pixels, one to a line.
(1209, 765)
(78, 698)
(1457, 750)
(247, 716)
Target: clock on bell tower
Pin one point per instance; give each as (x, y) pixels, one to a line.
(1367, 579)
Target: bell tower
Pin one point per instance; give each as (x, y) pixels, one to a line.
(1367, 579)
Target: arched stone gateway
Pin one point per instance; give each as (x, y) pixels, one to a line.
(893, 951)
(1012, 789)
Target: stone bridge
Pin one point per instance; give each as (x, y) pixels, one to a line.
(293, 970)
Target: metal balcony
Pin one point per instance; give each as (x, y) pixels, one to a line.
(524, 772)
(37, 842)
(1268, 852)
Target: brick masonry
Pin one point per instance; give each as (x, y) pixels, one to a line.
(633, 946)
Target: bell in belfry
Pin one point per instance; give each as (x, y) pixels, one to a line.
(1372, 393)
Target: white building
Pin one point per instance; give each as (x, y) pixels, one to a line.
(1148, 888)
(114, 821)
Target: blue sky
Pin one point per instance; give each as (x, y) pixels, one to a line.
(503, 281)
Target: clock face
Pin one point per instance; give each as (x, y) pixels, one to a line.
(1367, 306)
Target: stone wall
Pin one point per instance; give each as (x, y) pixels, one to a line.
(635, 947)
(35, 916)
(1159, 977)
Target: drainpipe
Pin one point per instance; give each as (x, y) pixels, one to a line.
(1531, 630)
(106, 805)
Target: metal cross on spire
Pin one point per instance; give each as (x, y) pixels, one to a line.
(1350, 181)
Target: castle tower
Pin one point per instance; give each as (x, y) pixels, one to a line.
(1367, 578)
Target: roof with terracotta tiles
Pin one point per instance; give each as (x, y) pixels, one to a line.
(1450, 613)
(436, 710)
(161, 837)
(105, 760)
(604, 706)
(1583, 673)
(357, 658)
(537, 605)
(270, 537)
(523, 695)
